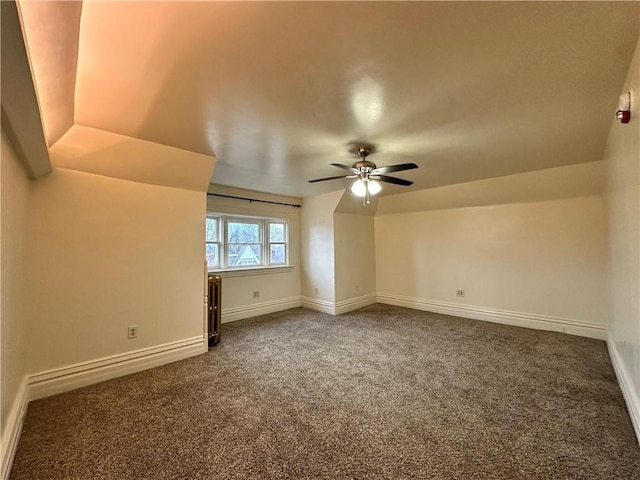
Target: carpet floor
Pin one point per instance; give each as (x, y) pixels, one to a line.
(380, 393)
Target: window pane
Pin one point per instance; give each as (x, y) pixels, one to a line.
(212, 255)
(244, 255)
(243, 232)
(276, 232)
(278, 254)
(212, 230)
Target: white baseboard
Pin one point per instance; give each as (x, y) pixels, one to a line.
(628, 392)
(246, 311)
(60, 380)
(323, 306)
(354, 303)
(520, 319)
(12, 429)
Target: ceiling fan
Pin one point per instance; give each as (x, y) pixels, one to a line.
(368, 175)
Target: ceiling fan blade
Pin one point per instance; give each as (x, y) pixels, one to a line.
(397, 181)
(346, 167)
(394, 168)
(327, 178)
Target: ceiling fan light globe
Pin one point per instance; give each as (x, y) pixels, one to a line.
(358, 188)
(374, 187)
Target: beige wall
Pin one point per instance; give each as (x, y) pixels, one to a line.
(318, 257)
(541, 257)
(106, 253)
(277, 288)
(14, 192)
(622, 160)
(355, 256)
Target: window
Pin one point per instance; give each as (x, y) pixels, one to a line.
(243, 243)
(277, 243)
(213, 242)
(246, 242)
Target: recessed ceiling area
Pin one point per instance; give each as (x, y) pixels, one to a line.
(278, 91)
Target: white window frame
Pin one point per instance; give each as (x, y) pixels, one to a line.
(226, 244)
(217, 242)
(264, 241)
(284, 242)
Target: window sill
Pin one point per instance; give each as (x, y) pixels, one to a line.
(245, 272)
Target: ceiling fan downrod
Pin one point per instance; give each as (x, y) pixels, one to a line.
(365, 168)
(364, 152)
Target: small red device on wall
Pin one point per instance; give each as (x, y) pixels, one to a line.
(625, 105)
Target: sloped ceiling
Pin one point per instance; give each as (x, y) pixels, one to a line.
(21, 120)
(54, 28)
(277, 91)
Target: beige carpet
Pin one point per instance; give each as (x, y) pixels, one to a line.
(380, 393)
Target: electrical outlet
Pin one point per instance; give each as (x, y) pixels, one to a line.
(357, 288)
(316, 290)
(132, 331)
(459, 293)
(256, 294)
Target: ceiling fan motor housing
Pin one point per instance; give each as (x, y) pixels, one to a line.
(365, 166)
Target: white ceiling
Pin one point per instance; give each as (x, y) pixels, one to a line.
(277, 91)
